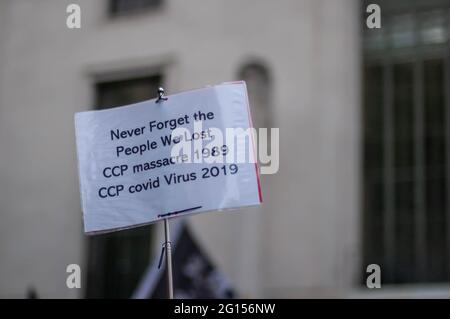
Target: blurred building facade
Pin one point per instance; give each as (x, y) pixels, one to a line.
(303, 62)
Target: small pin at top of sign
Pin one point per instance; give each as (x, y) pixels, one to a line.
(161, 96)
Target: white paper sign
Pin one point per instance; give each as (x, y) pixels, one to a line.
(149, 161)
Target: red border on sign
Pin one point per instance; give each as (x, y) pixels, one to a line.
(250, 123)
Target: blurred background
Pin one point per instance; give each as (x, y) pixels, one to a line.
(364, 122)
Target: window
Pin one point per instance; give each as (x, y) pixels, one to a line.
(257, 79)
(119, 7)
(117, 261)
(406, 123)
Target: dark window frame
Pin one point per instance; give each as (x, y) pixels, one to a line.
(116, 261)
(117, 8)
(427, 259)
